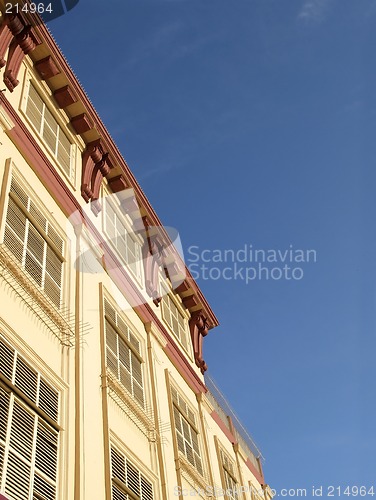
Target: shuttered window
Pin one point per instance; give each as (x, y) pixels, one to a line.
(34, 242)
(123, 354)
(174, 318)
(126, 245)
(229, 476)
(28, 443)
(186, 433)
(49, 130)
(127, 481)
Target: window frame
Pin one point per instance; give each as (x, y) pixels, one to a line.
(166, 291)
(30, 220)
(189, 417)
(121, 485)
(131, 349)
(126, 222)
(226, 474)
(61, 120)
(43, 426)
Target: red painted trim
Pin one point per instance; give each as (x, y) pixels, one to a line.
(115, 153)
(255, 472)
(223, 427)
(34, 155)
(182, 365)
(29, 148)
(232, 439)
(125, 283)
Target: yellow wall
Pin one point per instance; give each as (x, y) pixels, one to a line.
(78, 371)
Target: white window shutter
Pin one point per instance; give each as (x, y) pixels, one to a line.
(28, 235)
(130, 477)
(50, 131)
(28, 444)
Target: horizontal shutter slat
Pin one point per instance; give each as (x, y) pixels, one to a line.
(109, 311)
(26, 379)
(52, 291)
(7, 360)
(48, 400)
(118, 465)
(39, 217)
(130, 477)
(55, 238)
(125, 378)
(146, 489)
(35, 243)
(118, 494)
(4, 413)
(133, 479)
(34, 114)
(16, 220)
(22, 431)
(2, 454)
(43, 489)
(46, 451)
(138, 394)
(17, 478)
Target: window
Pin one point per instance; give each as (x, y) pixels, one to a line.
(186, 433)
(174, 318)
(253, 490)
(123, 354)
(129, 249)
(28, 441)
(34, 242)
(49, 130)
(228, 475)
(127, 481)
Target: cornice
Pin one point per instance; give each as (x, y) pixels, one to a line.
(25, 35)
(48, 175)
(37, 42)
(100, 131)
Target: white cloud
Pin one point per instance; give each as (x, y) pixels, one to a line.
(314, 10)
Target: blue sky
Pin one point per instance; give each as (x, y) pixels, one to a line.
(254, 122)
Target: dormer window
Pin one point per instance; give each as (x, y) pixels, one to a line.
(122, 238)
(174, 318)
(49, 130)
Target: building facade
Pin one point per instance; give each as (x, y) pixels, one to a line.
(102, 386)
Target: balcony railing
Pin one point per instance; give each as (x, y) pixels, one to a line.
(233, 424)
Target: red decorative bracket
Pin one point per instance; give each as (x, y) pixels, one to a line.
(20, 38)
(199, 328)
(152, 256)
(96, 165)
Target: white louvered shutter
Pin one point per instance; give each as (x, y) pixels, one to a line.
(28, 235)
(128, 248)
(34, 108)
(131, 479)
(174, 318)
(124, 356)
(64, 152)
(186, 434)
(229, 474)
(49, 130)
(28, 443)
